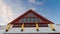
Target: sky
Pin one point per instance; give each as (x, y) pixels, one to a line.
(11, 9)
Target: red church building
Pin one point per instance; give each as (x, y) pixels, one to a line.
(30, 19)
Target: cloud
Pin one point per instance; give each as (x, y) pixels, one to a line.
(36, 2)
(40, 3)
(32, 1)
(5, 13)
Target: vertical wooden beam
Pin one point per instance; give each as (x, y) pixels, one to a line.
(37, 27)
(22, 26)
(52, 26)
(8, 27)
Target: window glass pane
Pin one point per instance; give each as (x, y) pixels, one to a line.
(28, 20)
(32, 20)
(30, 15)
(24, 20)
(21, 20)
(39, 20)
(36, 20)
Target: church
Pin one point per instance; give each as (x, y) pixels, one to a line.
(30, 19)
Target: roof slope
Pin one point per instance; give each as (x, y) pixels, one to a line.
(31, 11)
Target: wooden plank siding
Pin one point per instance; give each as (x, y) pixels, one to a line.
(30, 25)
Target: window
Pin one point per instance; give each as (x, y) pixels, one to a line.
(21, 20)
(24, 20)
(32, 20)
(30, 15)
(28, 20)
(38, 20)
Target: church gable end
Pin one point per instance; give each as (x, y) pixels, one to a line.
(30, 18)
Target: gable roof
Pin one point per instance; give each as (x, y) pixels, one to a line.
(31, 11)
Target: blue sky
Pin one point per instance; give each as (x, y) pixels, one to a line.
(50, 9)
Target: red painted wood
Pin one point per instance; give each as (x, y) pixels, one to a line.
(45, 20)
(30, 25)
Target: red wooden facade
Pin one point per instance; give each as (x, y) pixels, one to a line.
(29, 19)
